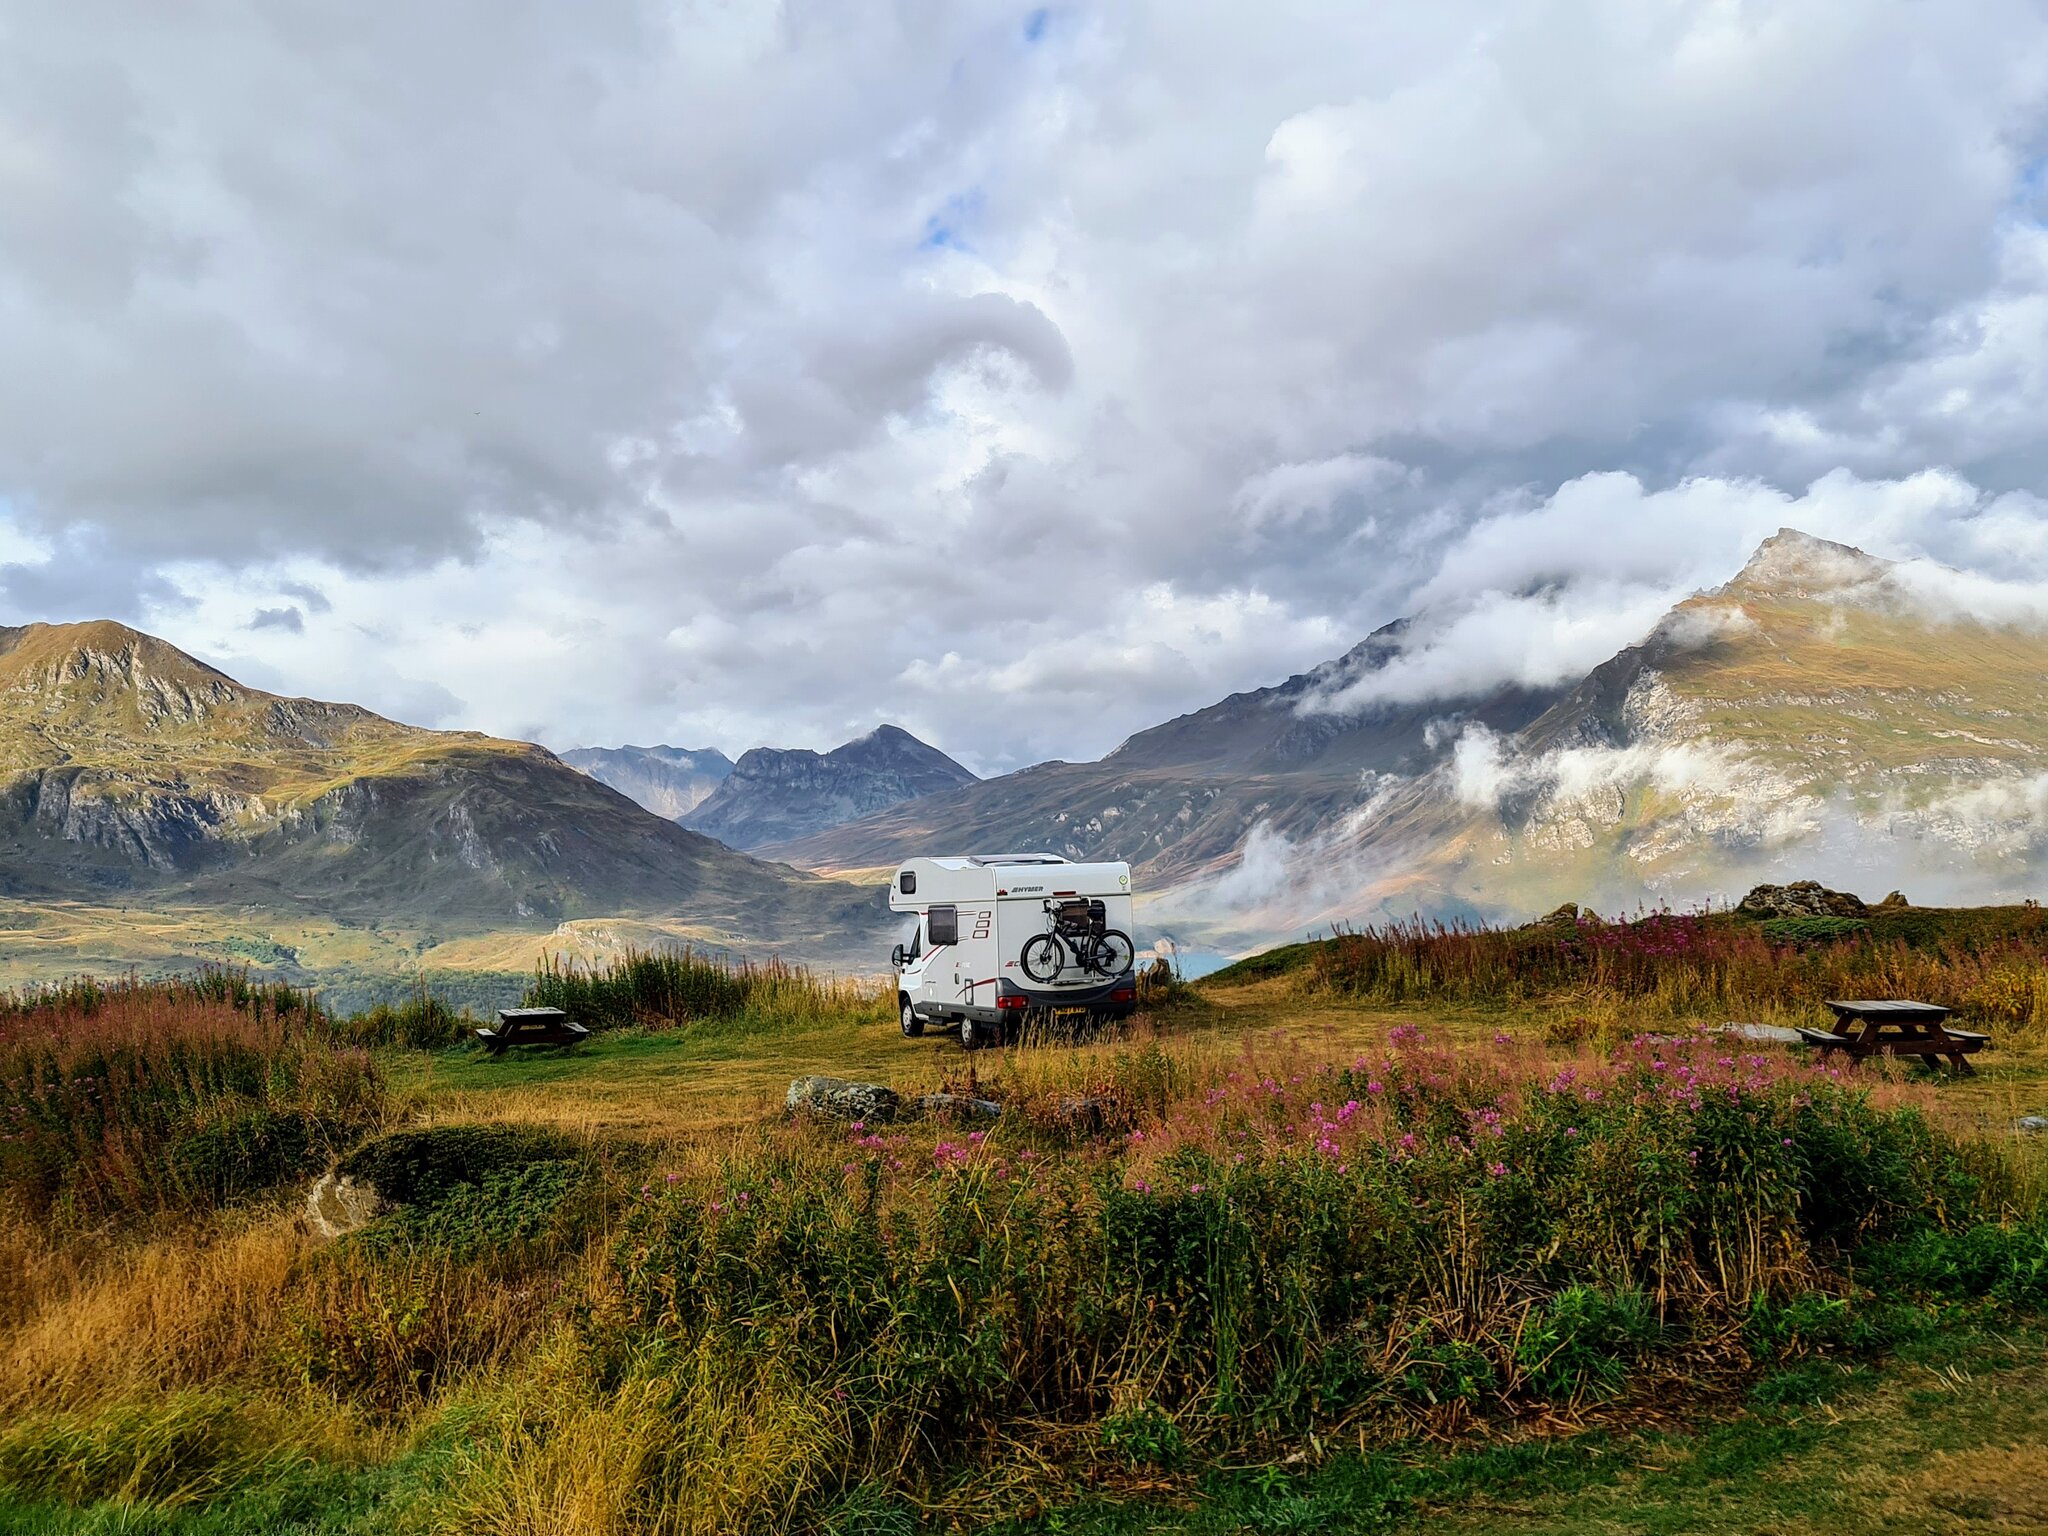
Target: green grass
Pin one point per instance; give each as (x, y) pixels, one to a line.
(1900, 1450)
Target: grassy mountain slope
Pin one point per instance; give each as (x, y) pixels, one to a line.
(132, 774)
(1820, 714)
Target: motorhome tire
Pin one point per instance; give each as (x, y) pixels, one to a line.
(1043, 957)
(913, 1026)
(971, 1035)
(1113, 953)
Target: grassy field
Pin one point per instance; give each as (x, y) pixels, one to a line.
(1319, 1259)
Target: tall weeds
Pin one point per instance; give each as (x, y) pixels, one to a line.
(1697, 966)
(666, 988)
(142, 1097)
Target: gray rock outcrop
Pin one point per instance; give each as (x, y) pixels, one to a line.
(1802, 898)
(337, 1205)
(840, 1099)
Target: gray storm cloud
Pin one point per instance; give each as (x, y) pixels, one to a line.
(616, 371)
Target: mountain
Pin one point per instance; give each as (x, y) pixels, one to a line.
(1825, 713)
(133, 775)
(773, 795)
(669, 781)
(1179, 800)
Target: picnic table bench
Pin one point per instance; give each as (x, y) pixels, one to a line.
(1896, 1027)
(531, 1026)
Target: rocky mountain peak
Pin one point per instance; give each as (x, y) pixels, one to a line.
(777, 793)
(103, 664)
(1794, 564)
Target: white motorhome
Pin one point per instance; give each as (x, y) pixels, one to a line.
(1002, 936)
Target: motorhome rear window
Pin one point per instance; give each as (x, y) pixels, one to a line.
(944, 925)
(907, 883)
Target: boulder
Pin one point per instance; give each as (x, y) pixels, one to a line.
(843, 1100)
(1082, 1117)
(1895, 902)
(337, 1205)
(1802, 898)
(959, 1106)
(1765, 1034)
(1565, 916)
(2032, 1125)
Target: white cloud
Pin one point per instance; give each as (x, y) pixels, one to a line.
(752, 372)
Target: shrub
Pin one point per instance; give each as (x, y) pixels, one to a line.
(424, 1165)
(1811, 930)
(2003, 1262)
(1583, 1341)
(422, 1022)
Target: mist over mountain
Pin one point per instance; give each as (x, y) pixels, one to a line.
(669, 781)
(1823, 712)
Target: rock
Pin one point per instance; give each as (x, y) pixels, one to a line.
(1895, 902)
(1802, 898)
(337, 1205)
(2032, 1125)
(843, 1100)
(958, 1105)
(1764, 1034)
(1565, 916)
(1083, 1117)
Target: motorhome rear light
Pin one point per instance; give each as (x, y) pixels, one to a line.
(1122, 995)
(1015, 1000)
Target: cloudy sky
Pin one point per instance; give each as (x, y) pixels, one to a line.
(733, 372)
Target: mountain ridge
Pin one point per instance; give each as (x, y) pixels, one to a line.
(774, 794)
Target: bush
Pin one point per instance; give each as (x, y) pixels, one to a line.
(2003, 1263)
(1990, 964)
(1812, 930)
(423, 1022)
(425, 1166)
(1583, 1341)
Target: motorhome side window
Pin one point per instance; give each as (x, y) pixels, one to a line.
(907, 883)
(943, 923)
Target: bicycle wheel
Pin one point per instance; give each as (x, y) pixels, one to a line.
(1112, 954)
(1043, 957)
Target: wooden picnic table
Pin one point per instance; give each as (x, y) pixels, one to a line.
(531, 1026)
(1896, 1027)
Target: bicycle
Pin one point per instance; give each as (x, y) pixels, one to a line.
(1079, 937)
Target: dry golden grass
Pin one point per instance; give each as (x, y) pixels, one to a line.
(147, 1315)
(719, 1445)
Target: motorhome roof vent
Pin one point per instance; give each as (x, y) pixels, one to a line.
(998, 860)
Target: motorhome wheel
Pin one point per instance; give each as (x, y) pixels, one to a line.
(913, 1026)
(973, 1036)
